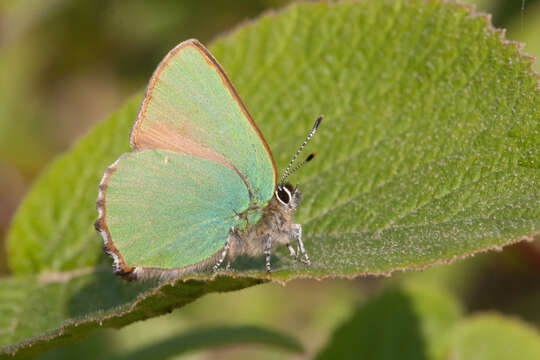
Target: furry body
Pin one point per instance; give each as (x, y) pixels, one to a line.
(276, 221)
(274, 228)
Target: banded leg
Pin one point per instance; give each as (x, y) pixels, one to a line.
(224, 252)
(300, 250)
(267, 252)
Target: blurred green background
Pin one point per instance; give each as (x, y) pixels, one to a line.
(65, 65)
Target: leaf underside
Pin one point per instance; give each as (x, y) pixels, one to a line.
(429, 151)
(53, 309)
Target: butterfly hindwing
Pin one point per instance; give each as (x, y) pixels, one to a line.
(191, 107)
(169, 210)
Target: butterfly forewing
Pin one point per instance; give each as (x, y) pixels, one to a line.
(191, 107)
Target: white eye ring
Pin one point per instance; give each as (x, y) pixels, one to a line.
(283, 188)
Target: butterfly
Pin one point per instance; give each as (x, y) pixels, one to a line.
(200, 185)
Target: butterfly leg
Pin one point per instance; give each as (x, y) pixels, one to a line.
(291, 250)
(297, 233)
(267, 252)
(224, 252)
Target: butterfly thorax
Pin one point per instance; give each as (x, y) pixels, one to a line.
(276, 221)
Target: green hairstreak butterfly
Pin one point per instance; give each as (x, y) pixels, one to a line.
(200, 185)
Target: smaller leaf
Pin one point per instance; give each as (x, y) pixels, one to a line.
(400, 324)
(216, 336)
(493, 337)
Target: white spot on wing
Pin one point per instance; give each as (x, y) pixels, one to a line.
(116, 261)
(103, 234)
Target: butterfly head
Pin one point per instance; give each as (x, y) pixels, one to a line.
(288, 197)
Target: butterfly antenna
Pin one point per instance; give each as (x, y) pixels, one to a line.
(309, 158)
(286, 173)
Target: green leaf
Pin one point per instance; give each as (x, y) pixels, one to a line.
(206, 338)
(423, 322)
(179, 344)
(428, 152)
(57, 308)
(401, 324)
(494, 337)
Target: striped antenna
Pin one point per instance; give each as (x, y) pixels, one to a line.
(286, 173)
(309, 158)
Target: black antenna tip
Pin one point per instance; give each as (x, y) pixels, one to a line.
(318, 122)
(310, 157)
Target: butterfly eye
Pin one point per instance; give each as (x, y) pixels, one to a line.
(283, 195)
